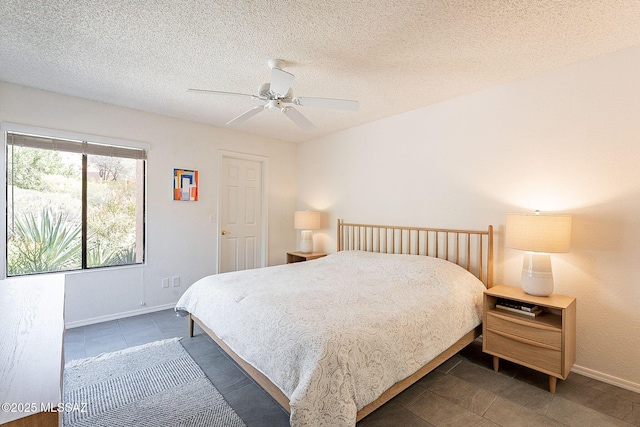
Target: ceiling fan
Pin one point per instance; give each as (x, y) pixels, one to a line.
(278, 93)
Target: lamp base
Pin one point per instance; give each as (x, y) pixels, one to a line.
(306, 241)
(537, 278)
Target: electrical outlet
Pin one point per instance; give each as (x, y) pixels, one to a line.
(165, 282)
(175, 281)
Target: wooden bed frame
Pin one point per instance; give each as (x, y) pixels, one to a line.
(470, 249)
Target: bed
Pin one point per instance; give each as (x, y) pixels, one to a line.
(333, 339)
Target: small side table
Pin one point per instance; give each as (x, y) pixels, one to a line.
(546, 343)
(299, 256)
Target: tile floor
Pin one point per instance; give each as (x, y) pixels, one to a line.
(464, 391)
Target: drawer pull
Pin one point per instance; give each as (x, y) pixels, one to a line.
(526, 341)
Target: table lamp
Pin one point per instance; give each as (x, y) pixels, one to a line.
(306, 221)
(538, 235)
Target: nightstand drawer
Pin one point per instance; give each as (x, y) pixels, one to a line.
(524, 351)
(525, 328)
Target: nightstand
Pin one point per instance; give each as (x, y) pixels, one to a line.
(299, 256)
(546, 342)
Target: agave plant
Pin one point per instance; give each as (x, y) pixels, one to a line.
(47, 243)
(125, 256)
(102, 255)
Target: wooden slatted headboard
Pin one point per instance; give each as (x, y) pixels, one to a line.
(470, 249)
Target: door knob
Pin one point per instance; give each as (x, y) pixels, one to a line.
(224, 232)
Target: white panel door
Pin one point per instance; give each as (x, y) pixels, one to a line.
(240, 214)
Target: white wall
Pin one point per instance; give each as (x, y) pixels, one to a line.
(565, 141)
(181, 239)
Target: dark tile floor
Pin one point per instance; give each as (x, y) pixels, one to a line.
(464, 391)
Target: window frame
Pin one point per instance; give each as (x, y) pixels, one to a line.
(7, 128)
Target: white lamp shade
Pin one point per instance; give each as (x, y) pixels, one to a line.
(538, 233)
(306, 220)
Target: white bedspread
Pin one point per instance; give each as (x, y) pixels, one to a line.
(336, 332)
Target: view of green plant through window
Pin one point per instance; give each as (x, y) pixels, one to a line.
(45, 210)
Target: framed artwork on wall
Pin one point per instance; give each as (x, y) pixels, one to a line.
(185, 185)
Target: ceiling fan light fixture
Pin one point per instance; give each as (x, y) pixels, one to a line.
(277, 93)
(273, 104)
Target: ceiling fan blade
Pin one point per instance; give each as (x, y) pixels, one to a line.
(336, 104)
(219, 92)
(280, 81)
(245, 116)
(297, 117)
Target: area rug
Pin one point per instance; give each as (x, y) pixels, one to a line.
(156, 384)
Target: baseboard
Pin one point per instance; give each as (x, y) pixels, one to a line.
(85, 322)
(605, 378)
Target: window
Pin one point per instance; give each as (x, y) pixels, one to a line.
(72, 204)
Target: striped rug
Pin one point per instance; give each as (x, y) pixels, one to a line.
(156, 384)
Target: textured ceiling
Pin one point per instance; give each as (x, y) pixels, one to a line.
(391, 55)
